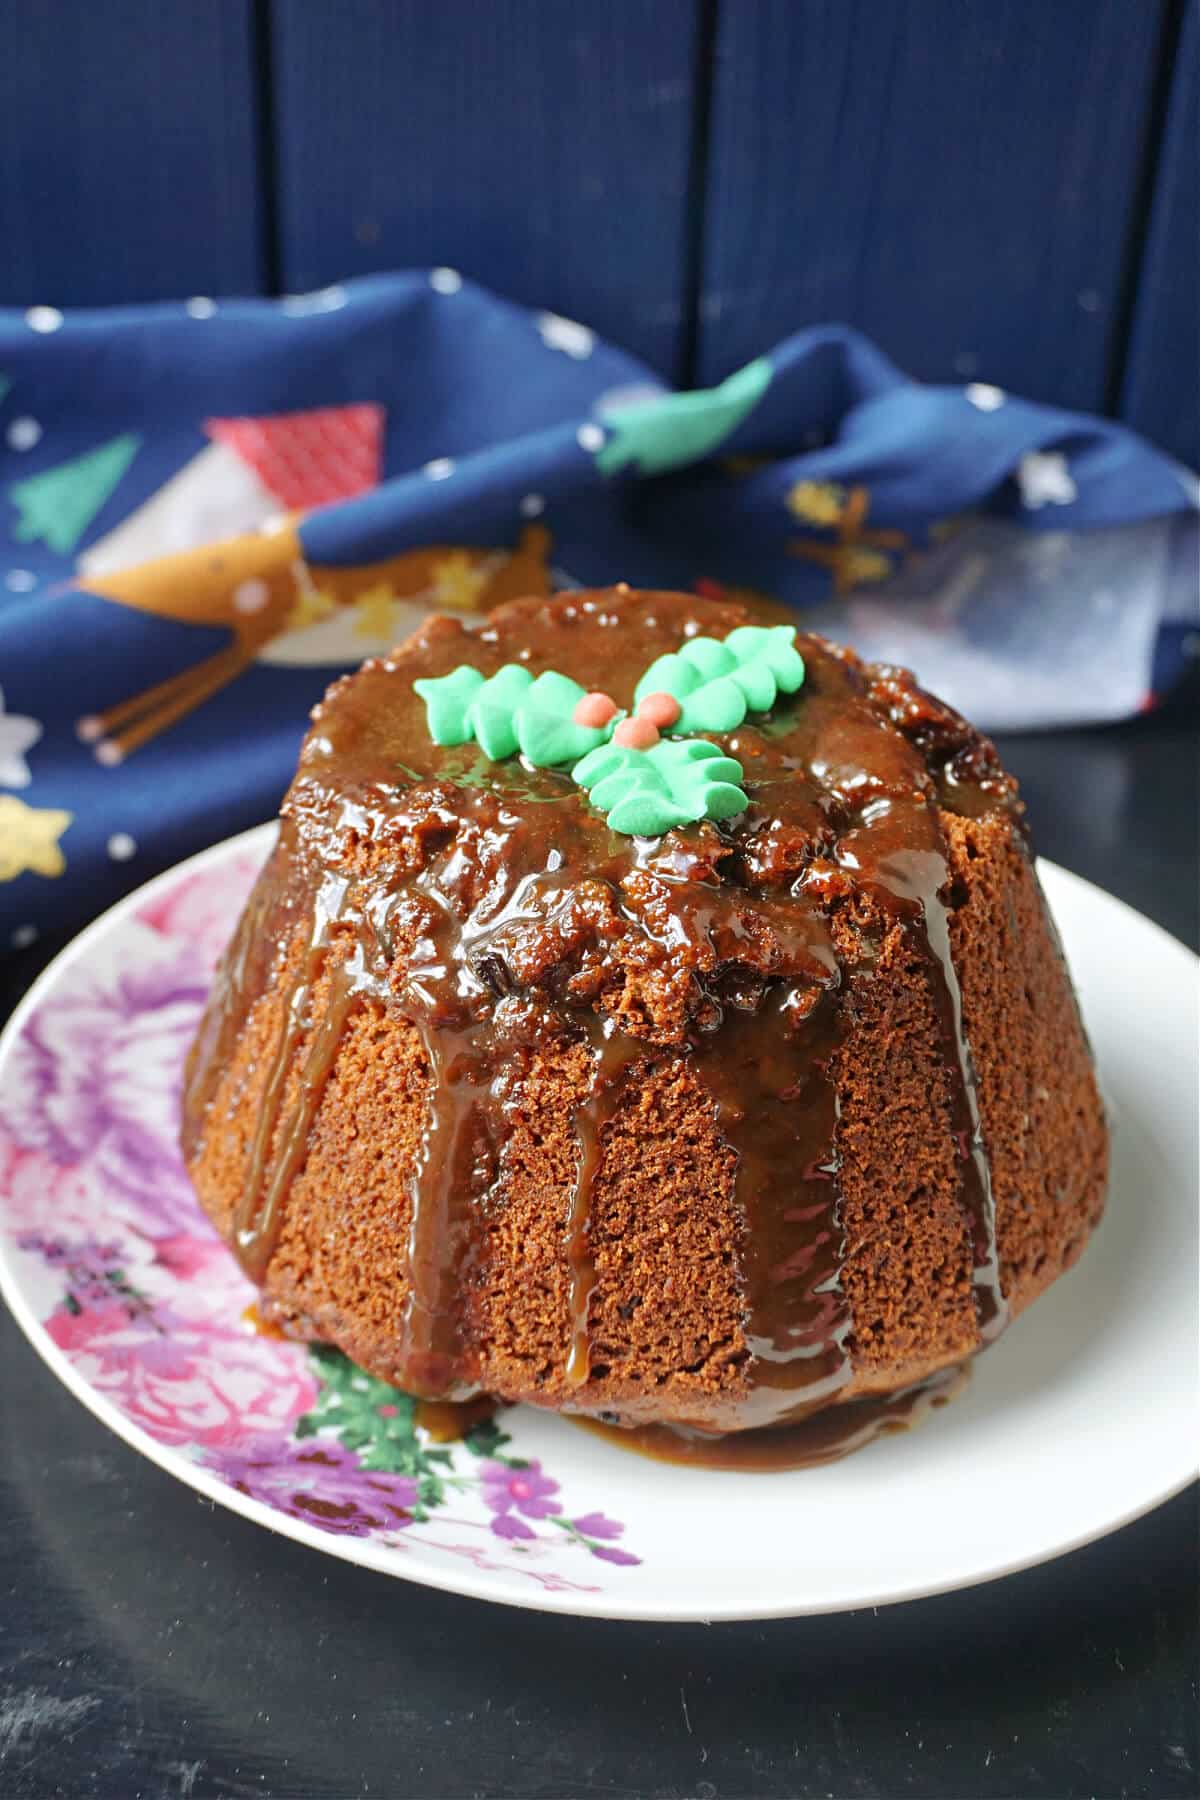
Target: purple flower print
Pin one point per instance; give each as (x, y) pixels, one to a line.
(508, 1525)
(94, 1078)
(506, 1487)
(595, 1525)
(321, 1482)
(94, 1272)
(590, 1529)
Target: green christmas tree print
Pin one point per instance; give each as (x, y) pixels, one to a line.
(680, 428)
(58, 505)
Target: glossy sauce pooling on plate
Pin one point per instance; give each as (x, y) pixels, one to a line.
(506, 910)
(823, 1436)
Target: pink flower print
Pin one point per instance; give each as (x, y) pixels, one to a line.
(77, 1329)
(201, 1280)
(202, 909)
(506, 1489)
(61, 1198)
(190, 1258)
(188, 1384)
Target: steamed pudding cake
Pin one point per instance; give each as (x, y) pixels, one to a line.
(650, 1015)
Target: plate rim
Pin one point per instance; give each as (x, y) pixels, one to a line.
(475, 1583)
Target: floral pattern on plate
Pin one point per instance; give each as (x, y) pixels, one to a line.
(132, 1284)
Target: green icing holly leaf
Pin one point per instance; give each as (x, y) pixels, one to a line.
(492, 713)
(677, 782)
(546, 729)
(719, 705)
(448, 704)
(510, 711)
(717, 683)
(772, 645)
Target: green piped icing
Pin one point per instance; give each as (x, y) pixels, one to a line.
(681, 779)
(510, 711)
(546, 731)
(448, 704)
(718, 682)
(677, 782)
(493, 711)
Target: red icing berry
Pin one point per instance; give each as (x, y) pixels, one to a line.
(662, 710)
(636, 734)
(594, 710)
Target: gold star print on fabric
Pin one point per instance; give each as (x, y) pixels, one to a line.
(374, 612)
(857, 555)
(817, 502)
(29, 838)
(458, 582)
(854, 567)
(312, 605)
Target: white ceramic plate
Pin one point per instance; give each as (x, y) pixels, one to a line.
(1082, 1417)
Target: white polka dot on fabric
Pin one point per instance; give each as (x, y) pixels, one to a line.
(445, 281)
(43, 318)
(590, 437)
(121, 846)
(251, 596)
(566, 335)
(23, 434)
(532, 505)
(20, 581)
(200, 306)
(982, 395)
(23, 936)
(439, 468)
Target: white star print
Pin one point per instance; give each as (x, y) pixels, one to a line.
(17, 734)
(1045, 479)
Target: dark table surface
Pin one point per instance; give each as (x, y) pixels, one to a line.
(152, 1644)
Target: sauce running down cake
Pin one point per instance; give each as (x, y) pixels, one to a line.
(678, 1038)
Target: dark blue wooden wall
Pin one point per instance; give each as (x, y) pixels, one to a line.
(1160, 391)
(1000, 190)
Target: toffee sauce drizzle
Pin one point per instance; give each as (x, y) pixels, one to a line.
(829, 769)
